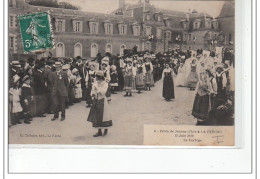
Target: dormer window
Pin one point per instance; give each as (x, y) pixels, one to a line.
(215, 24)
(108, 28)
(122, 29)
(196, 24)
(77, 26)
(159, 18)
(208, 24)
(167, 22)
(60, 25)
(93, 27)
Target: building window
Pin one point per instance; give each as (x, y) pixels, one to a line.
(122, 29)
(94, 27)
(148, 31)
(136, 30)
(77, 26)
(148, 17)
(184, 25)
(60, 50)
(109, 48)
(196, 25)
(209, 24)
(12, 42)
(189, 38)
(122, 48)
(168, 35)
(168, 23)
(11, 21)
(159, 18)
(230, 37)
(11, 3)
(108, 28)
(78, 50)
(60, 25)
(159, 33)
(148, 46)
(94, 50)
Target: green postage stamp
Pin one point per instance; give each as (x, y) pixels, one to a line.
(36, 32)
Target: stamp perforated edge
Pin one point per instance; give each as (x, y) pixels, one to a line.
(51, 32)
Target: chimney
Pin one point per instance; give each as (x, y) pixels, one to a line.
(122, 4)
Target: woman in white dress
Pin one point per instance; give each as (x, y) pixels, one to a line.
(182, 76)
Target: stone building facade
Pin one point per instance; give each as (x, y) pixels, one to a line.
(78, 33)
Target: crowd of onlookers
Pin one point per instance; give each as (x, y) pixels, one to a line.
(32, 81)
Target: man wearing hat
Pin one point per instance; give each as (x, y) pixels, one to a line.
(39, 89)
(14, 70)
(47, 78)
(60, 85)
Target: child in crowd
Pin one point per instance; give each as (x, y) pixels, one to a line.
(114, 79)
(26, 99)
(14, 94)
(78, 89)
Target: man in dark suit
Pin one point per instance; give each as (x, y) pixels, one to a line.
(39, 89)
(60, 84)
(47, 78)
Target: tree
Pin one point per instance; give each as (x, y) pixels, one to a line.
(51, 3)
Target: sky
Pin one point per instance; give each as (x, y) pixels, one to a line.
(213, 8)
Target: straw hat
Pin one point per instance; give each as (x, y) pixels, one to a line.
(66, 67)
(16, 78)
(57, 64)
(16, 64)
(26, 77)
(74, 70)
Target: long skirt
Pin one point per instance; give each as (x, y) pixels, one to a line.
(108, 93)
(201, 107)
(71, 94)
(192, 80)
(168, 88)
(128, 83)
(149, 81)
(88, 96)
(78, 91)
(181, 79)
(139, 81)
(99, 114)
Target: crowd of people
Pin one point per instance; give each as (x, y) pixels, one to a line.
(48, 85)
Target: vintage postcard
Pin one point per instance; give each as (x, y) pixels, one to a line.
(121, 72)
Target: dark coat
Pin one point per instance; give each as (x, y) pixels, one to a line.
(39, 83)
(26, 94)
(47, 78)
(60, 85)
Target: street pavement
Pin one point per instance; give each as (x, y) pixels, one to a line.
(129, 114)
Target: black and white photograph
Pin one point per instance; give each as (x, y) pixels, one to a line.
(121, 72)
